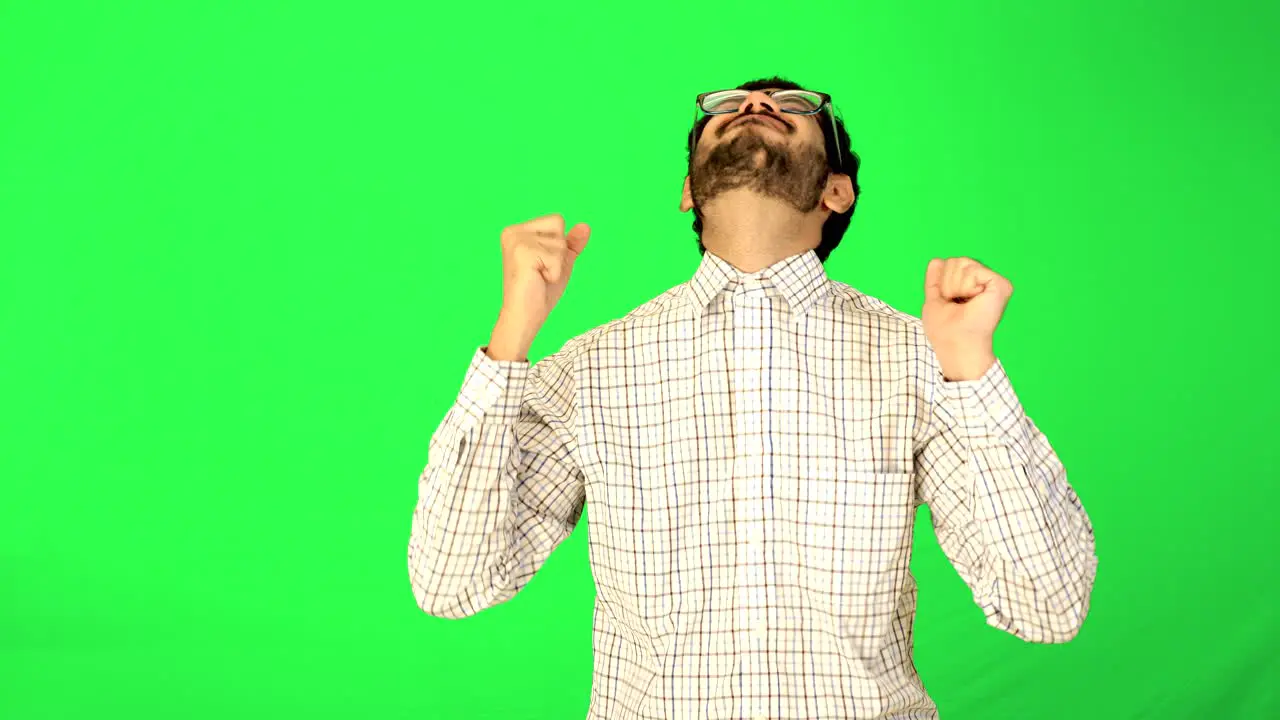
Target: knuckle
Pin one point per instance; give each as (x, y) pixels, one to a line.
(515, 236)
(553, 222)
(523, 252)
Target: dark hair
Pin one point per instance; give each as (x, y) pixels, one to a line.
(833, 229)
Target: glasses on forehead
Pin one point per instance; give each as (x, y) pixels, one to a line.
(792, 102)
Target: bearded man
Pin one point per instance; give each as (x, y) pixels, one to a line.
(753, 445)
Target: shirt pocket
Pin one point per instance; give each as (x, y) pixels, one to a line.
(855, 539)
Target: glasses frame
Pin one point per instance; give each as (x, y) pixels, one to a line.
(824, 105)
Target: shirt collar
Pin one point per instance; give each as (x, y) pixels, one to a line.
(800, 279)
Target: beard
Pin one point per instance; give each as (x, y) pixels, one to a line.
(796, 176)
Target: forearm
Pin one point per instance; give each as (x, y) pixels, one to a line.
(500, 491)
(1037, 539)
(459, 543)
(460, 549)
(1016, 529)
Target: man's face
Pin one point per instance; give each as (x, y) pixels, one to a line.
(761, 149)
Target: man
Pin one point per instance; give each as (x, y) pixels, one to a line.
(753, 445)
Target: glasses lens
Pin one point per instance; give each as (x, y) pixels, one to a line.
(723, 101)
(798, 101)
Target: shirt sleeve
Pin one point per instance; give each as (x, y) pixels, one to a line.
(1002, 509)
(500, 490)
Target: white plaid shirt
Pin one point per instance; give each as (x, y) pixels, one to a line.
(752, 448)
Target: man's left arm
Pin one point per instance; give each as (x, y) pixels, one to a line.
(1002, 509)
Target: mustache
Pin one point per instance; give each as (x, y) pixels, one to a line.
(744, 117)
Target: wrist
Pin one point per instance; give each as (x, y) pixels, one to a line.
(511, 339)
(967, 364)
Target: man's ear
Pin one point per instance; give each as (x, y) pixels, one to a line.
(686, 197)
(839, 195)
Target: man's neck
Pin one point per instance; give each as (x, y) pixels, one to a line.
(752, 232)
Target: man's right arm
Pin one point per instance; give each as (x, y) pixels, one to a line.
(500, 490)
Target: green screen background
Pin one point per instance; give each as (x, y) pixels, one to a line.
(249, 248)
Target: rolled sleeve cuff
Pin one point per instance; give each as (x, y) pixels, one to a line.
(987, 408)
(492, 389)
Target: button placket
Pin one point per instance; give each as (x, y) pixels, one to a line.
(751, 340)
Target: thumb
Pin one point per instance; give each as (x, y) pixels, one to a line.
(933, 280)
(578, 237)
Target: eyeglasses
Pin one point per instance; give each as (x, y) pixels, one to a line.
(792, 102)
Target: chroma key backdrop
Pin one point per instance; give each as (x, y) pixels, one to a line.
(247, 250)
